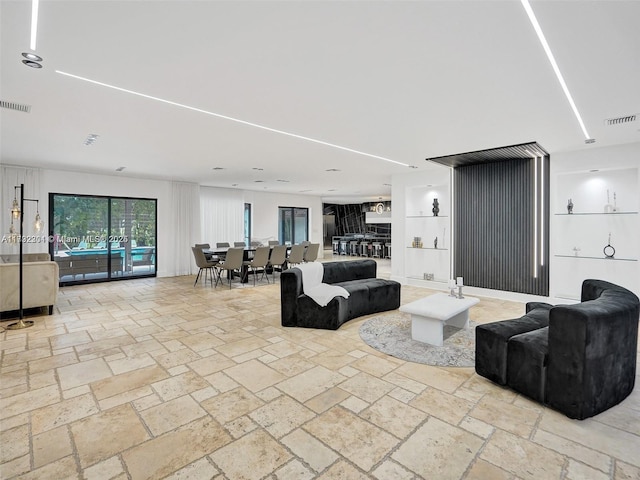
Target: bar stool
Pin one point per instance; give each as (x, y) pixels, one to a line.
(343, 247)
(376, 249)
(364, 248)
(335, 245)
(353, 248)
(387, 250)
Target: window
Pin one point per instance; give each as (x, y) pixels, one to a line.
(293, 225)
(247, 224)
(102, 238)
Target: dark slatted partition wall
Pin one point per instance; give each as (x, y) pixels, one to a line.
(502, 225)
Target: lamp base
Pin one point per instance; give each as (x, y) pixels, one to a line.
(20, 325)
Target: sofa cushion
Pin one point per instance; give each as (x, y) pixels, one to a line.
(527, 355)
(492, 339)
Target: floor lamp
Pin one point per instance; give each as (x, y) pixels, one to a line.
(17, 212)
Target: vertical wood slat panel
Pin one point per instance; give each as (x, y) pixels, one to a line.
(494, 217)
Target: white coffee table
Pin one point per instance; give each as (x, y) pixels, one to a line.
(429, 314)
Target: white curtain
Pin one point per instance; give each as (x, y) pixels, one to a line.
(185, 222)
(222, 215)
(11, 177)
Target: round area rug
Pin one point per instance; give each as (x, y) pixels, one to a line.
(391, 334)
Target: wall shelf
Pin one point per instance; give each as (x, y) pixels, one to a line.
(607, 259)
(596, 213)
(428, 248)
(427, 216)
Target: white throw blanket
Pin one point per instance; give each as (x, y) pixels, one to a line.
(312, 286)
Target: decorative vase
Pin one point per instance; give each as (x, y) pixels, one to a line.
(435, 243)
(436, 207)
(570, 207)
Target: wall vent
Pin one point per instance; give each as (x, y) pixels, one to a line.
(621, 120)
(20, 107)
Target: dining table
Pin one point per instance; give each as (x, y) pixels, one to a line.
(221, 252)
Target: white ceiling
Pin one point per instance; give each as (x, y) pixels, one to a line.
(400, 80)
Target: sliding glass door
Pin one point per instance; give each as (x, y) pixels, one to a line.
(293, 225)
(102, 238)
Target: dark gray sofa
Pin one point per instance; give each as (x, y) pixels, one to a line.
(367, 294)
(578, 359)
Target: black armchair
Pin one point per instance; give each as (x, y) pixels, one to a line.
(581, 361)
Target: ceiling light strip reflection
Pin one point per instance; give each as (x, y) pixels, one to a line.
(535, 218)
(244, 122)
(34, 24)
(554, 65)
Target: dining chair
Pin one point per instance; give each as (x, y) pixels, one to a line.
(208, 266)
(259, 263)
(296, 255)
(273, 243)
(222, 244)
(205, 246)
(239, 244)
(311, 253)
(232, 263)
(277, 260)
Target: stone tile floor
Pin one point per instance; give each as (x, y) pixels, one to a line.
(156, 378)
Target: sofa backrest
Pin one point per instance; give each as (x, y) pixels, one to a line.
(592, 350)
(335, 272)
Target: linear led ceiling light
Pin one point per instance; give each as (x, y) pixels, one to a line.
(34, 24)
(218, 115)
(554, 65)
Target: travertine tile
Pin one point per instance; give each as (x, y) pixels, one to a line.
(199, 470)
(523, 458)
(343, 471)
(127, 381)
(307, 385)
(481, 470)
(509, 417)
(393, 416)
(254, 375)
(107, 469)
(366, 387)
(15, 443)
(63, 413)
(54, 361)
(31, 400)
(338, 427)
(438, 450)
(179, 385)
(51, 445)
(174, 450)
(294, 469)
(573, 450)
(391, 470)
(83, 373)
(107, 433)
(172, 414)
(260, 456)
(308, 448)
(443, 405)
(281, 416)
(233, 404)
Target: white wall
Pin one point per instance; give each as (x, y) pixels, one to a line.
(264, 209)
(572, 176)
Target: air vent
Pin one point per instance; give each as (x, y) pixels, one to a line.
(621, 120)
(15, 106)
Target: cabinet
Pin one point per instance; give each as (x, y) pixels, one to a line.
(428, 236)
(605, 212)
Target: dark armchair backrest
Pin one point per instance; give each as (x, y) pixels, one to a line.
(592, 350)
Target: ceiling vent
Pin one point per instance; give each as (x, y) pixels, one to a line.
(15, 106)
(621, 120)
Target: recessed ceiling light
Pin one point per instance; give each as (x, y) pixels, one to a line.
(331, 190)
(31, 63)
(386, 184)
(594, 170)
(283, 181)
(225, 117)
(234, 184)
(302, 191)
(412, 166)
(217, 168)
(590, 140)
(257, 168)
(258, 181)
(119, 169)
(32, 56)
(332, 170)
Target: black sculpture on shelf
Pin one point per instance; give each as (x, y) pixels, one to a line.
(436, 207)
(570, 207)
(608, 250)
(435, 242)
